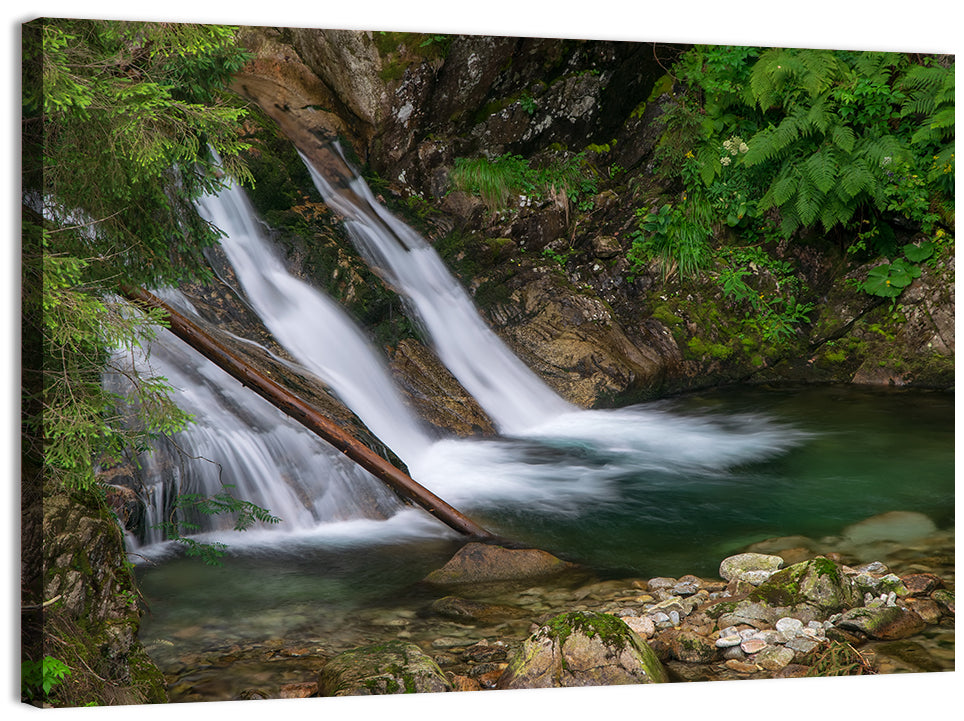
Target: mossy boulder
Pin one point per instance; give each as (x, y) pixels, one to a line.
(818, 583)
(888, 623)
(386, 668)
(582, 649)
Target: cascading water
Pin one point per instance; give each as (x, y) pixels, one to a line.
(513, 396)
(313, 328)
(241, 442)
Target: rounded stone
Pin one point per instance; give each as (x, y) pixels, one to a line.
(753, 645)
(789, 625)
(754, 568)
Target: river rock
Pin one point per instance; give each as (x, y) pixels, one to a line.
(818, 584)
(642, 625)
(463, 609)
(921, 584)
(485, 563)
(888, 623)
(900, 526)
(691, 647)
(773, 658)
(387, 668)
(582, 649)
(754, 568)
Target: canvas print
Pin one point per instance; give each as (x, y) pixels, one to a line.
(379, 362)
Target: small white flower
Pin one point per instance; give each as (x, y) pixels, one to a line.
(725, 160)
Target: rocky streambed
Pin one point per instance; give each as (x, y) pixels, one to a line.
(877, 599)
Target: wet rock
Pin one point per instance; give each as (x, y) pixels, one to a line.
(483, 563)
(582, 649)
(463, 683)
(921, 584)
(945, 598)
(463, 609)
(883, 622)
(486, 651)
(793, 670)
(754, 568)
(742, 667)
(304, 689)
(926, 608)
(898, 526)
(388, 668)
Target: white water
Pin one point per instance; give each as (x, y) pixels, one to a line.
(554, 460)
(313, 328)
(513, 396)
(241, 441)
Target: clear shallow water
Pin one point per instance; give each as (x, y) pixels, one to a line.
(837, 455)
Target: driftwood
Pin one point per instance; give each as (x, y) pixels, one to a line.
(310, 418)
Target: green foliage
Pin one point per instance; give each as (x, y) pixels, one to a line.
(830, 137)
(117, 121)
(186, 505)
(499, 180)
(38, 678)
(769, 290)
(677, 240)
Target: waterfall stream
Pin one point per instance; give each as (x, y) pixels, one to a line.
(513, 396)
(240, 442)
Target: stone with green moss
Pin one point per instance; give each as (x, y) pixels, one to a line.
(583, 649)
(818, 583)
(385, 668)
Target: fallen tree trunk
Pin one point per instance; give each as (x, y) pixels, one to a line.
(310, 418)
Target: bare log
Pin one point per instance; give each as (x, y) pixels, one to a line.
(310, 418)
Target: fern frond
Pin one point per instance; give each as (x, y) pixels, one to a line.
(807, 201)
(820, 171)
(855, 178)
(843, 137)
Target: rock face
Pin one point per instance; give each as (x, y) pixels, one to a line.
(389, 668)
(559, 289)
(92, 615)
(484, 563)
(582, 649)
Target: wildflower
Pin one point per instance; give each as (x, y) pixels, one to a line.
(725, 160)
(689, 154)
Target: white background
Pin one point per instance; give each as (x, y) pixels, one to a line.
(881, 25)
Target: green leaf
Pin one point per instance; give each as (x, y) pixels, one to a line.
(918, 252)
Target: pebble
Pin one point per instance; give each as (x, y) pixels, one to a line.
(753, 645)
(789, 625)
(728, 641)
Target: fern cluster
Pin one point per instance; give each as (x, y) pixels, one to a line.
(826, 131)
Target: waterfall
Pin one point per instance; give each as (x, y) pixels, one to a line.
(239, 440)
(513, 396)
(316, 332)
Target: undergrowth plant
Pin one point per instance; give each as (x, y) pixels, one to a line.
(847, 144)
(499, 180)
(185, 505)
